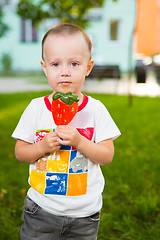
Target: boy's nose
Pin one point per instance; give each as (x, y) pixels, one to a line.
(65, 72)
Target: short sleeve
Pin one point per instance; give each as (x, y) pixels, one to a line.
(26, 126)
(105, 127)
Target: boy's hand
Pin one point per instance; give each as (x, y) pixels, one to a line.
(68, 135)
(49, 143)
(30, 152)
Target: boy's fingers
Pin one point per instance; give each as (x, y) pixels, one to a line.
(63, 142)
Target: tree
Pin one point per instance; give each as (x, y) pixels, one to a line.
(66, 10)
(3, 27)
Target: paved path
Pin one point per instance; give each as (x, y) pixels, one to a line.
(10, 85)
(122, 86)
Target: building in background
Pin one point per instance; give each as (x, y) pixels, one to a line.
(112, 33)
(110, 28)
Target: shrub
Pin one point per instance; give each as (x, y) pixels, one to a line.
(6, 63)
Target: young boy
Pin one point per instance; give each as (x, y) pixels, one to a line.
(65, 197)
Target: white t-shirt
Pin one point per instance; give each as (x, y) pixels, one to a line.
(66, 183)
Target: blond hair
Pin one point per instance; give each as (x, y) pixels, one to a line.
(67, 29)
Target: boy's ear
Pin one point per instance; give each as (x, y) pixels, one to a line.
(89, 67)
(44, 67)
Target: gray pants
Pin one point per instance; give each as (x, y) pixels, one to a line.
(41, 225)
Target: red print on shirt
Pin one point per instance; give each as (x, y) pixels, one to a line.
(40, 134)
(86, 132)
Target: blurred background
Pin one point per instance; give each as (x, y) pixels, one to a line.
(125, 35)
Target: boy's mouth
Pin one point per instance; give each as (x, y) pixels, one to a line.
(65, 83)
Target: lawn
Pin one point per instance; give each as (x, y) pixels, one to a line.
(131, 198)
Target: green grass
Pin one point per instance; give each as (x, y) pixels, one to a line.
(131, 198)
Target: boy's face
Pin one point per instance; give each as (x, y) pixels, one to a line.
(66, 62)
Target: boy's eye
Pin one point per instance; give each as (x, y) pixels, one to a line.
(74, 64)
(55, 64)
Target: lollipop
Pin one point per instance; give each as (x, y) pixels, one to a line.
(64, 107)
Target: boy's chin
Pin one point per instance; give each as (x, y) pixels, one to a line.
(65, 88)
